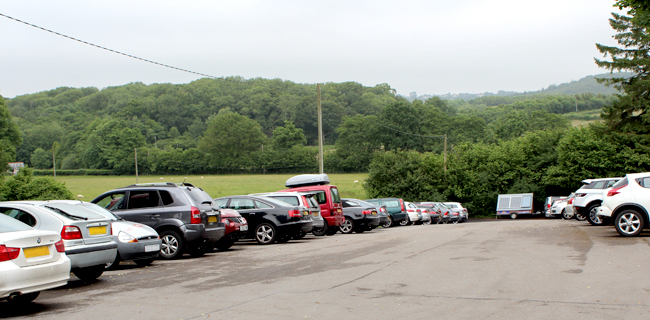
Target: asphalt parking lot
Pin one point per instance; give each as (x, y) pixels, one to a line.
(483, 269)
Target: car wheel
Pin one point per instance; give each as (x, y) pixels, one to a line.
(428, 222)
(347, 226)
(579, 215)
(565, 215)
(89, 273)
(265, 233)
(445, 221)
(513, 216)
(593, 217)
(113, 265)
(319, 232)
(405, 221)
(388, 223)
(172, 245)
(224, 244)
(629, 223)
(24, 298)
(143, 262)
(455, 222)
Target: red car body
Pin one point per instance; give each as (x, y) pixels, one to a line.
(329, 200)
(236, 228)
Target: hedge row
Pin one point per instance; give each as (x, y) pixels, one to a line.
(76, 172)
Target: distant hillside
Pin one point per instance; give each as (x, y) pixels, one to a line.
(587, 84)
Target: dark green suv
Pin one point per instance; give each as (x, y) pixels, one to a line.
(396, 210)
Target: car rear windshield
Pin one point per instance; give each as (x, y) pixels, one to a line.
(367, 204)
(9, 224)
(335, 195)
(73, 212)
(391, 203)
(274, 202)
(199, 196)
(292, 200)
(99, 210)
(620, 183)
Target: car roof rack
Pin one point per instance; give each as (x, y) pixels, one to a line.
(303, 180)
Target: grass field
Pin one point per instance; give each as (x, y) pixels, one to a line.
(215, 185)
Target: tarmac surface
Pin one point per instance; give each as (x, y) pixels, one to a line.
(481, 269)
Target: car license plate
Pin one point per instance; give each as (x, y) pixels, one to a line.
(96, 230)
(243, 228)
(36, 252)
(339, 210)
(305, 213)
(151, 247)
(374, 213)
(212, 219)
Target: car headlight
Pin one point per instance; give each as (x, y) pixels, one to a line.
(125, 237)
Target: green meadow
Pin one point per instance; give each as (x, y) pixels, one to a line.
(215, 185)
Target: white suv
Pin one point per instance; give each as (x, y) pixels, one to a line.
(628, 203)
(589, 197)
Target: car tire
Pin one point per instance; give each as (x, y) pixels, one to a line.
(565, 215)
(347, 226)
(405, 221)
(224, 244)
(265, 233)
(455, 222)
(513, 216)
(319, 232)
(629, 223)
(24, 298)
(171, 246)
(593, 217)
(445, 221)
(143, 262)
(113, 265)
(388, 223)
(579, 216)
(88, 274)
(428, 222)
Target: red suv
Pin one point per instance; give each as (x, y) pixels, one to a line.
(327, 196)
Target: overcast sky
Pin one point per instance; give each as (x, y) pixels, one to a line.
(430, 46)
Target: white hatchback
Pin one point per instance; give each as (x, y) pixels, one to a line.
(30, 261)
(628, 203)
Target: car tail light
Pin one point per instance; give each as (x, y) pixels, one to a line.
(60, 247)
(366, 211)
(401, 202)
(571, 201)
(382, 209)
(196, 215)
(70, 233)
(615, 191)
(295, 213)
(409, 210)
(8, 253)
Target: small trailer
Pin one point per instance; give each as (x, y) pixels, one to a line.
(514, 205)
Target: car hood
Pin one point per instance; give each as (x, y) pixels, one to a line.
(137, 230)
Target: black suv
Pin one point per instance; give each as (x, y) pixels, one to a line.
(183, 215)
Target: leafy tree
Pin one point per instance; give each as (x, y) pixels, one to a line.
(24, 186)
(231, 137)
(401, 127)
(288, 136)
(110, 144)
(41, 159)
(9, 135)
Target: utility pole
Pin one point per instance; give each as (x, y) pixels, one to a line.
(54, 162)
(136, 165)
(445, 152)
(320, 131)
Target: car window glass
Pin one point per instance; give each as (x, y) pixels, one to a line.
(335, 195)
(262, 205)
(320, 197)
(376, 202)
(241, 204)
(622, 182)
(99, 210)
(73, 212)
(114, 201)
(166, 197)
(221, 202)
(312, 202)
(198, 195)
(20, 215)
(288, 199)
(350, 203)
(646, 182)
(599, 185)
(452, 206)
(391, 203)
(8, 224)
(143, 199)
(610, 183)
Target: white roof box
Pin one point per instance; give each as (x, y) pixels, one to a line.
(303, 180)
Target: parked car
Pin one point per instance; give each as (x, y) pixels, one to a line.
(589, 197)
(305, 199)
(464, 215)
(30, 261)
(382, 213)
(359, 216)
(236, 228)
(87, 235)
(628, 203)
(432, 209)
(135, 241)
(326, 195)
(414, 213)
(568, 210)
(395, 208)
(182, 214)
(269, 220)
(449, 215)
(548, 203)
(558, 208)
(426, 216)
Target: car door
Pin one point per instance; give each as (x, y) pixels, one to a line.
(643, 195)
(143, 206)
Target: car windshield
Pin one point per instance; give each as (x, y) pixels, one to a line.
(275, 202)
(9, 224)
(73, 212)
(366, 204)
(198, 195)
(100, 210)
(335, 195)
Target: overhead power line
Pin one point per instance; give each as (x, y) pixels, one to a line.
(139, 58)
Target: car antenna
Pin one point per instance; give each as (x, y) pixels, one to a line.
(183, 181)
